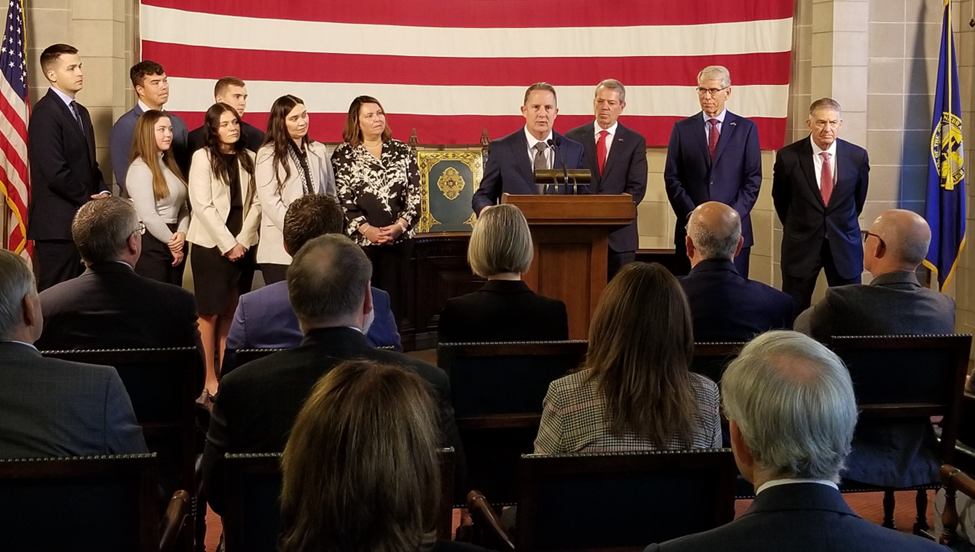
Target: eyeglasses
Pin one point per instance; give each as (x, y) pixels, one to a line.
(867, 233)
(703, 92)
(141, 229)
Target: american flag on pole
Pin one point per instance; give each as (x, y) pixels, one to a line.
(450, 68)
(14, 113)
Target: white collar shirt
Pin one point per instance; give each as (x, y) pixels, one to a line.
(707, 126)
(531, 149)
(778, 482)
(818, 161)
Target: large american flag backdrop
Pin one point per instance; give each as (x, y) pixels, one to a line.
(450, 68)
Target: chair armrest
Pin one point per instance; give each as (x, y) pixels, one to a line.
(487, 522)
(954, 480)
(172, 523)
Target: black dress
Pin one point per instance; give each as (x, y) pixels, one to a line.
(216, 279)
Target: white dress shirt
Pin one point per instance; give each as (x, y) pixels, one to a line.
(549, 154)
(777, 482)
(609, 137)
(818, 161)
(707, 126)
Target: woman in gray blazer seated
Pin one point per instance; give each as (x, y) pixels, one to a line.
(636, 390)
(505, 309)
(223, 229)
(158, 193)
(289, 165)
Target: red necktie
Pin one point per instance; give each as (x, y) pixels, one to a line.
(826, 179)
(601, 150)
(713, 137)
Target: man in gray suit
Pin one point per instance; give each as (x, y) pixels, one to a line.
(51, 407)
(888, 454)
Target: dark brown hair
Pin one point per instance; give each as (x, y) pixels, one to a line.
(144, 147)
(540, 86)
(311, 216)
(352, 133)
(224, 83)
(277, 135)
(211, 141)
(641, 343)
(52, 53)
(141, 70)
(360, 467)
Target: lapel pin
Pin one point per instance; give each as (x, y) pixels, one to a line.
(733, 123)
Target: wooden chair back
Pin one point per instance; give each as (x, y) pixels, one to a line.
(86, 503)
(711, 358)
(497, 391)
(163, 385)
(252, 511)
(621, 501)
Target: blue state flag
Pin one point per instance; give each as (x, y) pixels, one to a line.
(945, 208)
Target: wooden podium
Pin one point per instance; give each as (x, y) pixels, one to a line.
(571, 242)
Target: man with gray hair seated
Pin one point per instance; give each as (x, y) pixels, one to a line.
(791, 411)
(51, 407)
(726, 305)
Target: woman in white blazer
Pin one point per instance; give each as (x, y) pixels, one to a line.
(223, 229)
(289, 165)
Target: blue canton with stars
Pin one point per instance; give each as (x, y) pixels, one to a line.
(12, 56)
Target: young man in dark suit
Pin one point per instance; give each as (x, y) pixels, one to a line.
(233, 92)
(617, 157)
(63, 169)
(725, 305)
(713, 156)
(513, 159)
(328, 285)
(787, 381)
(819, 203)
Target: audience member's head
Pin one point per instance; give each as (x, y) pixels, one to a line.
(713, 233)
(311, 216)
(107, 230)
(62, 68)
(791, 408)
(328, 284)
(360, 467)
(231, 91)
(20, 306)
(896, 242)
(501, 244)
(640, 348)
(150, 83)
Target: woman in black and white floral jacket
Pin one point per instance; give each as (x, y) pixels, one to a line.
(378, 185)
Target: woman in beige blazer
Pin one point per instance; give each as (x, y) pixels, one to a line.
(289, 165)
(223, 229)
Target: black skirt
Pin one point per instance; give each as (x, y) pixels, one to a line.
(156, 261)
(217, 280)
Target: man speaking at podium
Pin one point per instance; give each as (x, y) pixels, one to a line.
(513, 159)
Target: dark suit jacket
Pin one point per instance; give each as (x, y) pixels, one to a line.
(806, 221)
(265, 320)
(110, 306)
(625, 172)
(728, 307)
(252, 137)
(258, 402)
(51, 407)
(503, 311)
(509, 169)
(63, 170)
(120, 144)
(799, 517)
(733, 178)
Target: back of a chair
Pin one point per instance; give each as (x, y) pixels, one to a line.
(249, 355)
(711, 358)
(252, 511)
(91, 503)
(497, 391)
(909, 376)
(163, 385)
(621, 501)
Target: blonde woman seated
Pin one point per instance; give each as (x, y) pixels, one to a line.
(635, 391)
(360, 467)
(505, 309)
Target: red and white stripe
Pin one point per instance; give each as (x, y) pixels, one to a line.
(452, 68)
(14, 113)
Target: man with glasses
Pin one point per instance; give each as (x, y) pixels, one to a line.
(110, 306)
(889, 454)
(819, 185)
(713, 156)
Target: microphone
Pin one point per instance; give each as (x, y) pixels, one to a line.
(565, 170)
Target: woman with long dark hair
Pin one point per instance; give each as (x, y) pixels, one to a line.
(158, 192)
(223, 229)
(289, 165)
(636, 390)
(379, 188)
